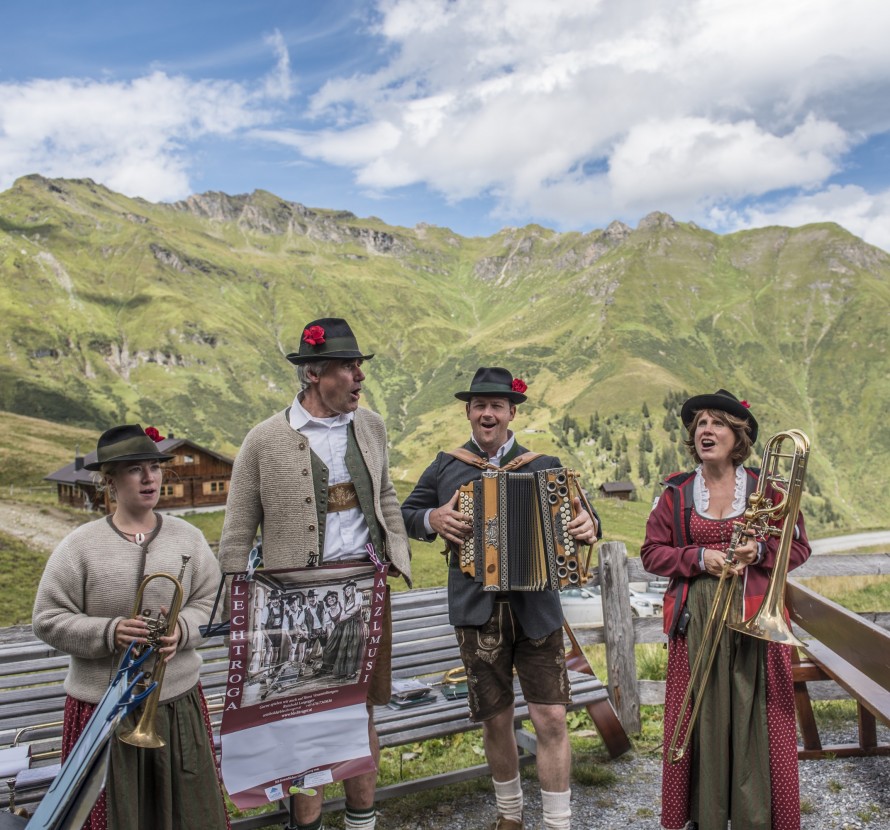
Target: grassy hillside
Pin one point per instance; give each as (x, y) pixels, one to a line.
(31, 447)
(116, 310)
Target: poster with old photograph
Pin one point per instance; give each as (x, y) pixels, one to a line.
(303, 646)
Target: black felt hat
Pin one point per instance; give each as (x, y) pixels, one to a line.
(125, 443)
(329, 338)
(722, 401)
(494, 382)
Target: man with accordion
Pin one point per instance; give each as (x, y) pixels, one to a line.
(498, 626)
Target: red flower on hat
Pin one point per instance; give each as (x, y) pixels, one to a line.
(314, 335)
(152, 433)
(519, 385)
(745, 404)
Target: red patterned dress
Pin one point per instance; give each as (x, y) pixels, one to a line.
(742, 760)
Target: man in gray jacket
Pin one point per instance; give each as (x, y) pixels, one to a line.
(315, 479)
(499, 631)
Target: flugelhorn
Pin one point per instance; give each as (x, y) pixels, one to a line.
(145, 734)
(756, 521)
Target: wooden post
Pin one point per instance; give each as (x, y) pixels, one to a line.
(621, 659)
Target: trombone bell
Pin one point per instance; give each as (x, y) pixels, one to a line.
(768, 626)
(769, 622)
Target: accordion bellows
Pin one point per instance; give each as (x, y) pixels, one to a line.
(519, 540)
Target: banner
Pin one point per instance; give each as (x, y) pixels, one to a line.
(303, 646)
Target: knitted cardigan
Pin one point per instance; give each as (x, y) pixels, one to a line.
(272, 488)
(90, 584)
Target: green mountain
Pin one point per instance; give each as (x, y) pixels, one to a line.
(179, 315)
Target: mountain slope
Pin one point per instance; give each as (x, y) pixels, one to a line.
(180, 315)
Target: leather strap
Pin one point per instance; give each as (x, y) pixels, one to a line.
(342, 497)
(463, 454)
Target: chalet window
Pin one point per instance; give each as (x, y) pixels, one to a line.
(210, 487)
(174, 490)
(186, 459)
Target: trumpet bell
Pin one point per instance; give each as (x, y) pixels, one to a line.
(143, 736)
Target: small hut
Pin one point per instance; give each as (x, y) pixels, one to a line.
(623, 490)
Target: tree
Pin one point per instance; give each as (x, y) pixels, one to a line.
(606, 439)
(623, 469)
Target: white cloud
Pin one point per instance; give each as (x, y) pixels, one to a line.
(688, 161)
(862, 213)
(130, 135)
(279, 83)
(579, 113)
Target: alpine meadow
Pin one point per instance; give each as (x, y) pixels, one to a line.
(179, 316)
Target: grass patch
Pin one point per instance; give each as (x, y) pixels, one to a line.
(210, 524)
(834, 713)
(857, 593)
(592, 775)
(20, 571)
(651, 661)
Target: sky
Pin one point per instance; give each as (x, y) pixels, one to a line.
(469, 114)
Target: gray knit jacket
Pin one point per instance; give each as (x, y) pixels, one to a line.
(90, 584)
(272, 488)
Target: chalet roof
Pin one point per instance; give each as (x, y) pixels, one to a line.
(69, 475)
(617, 487)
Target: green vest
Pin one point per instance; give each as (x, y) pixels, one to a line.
(361, 480)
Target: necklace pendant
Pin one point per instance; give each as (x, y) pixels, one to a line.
(139, 538)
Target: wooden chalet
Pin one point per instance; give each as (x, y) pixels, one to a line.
(623, 490)
(195, 477)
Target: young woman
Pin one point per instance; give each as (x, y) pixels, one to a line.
(85, 607)
(343, 651)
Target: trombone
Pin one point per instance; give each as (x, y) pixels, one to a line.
(769, 621)
(145, 734)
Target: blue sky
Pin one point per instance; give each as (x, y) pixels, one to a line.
(473, 114)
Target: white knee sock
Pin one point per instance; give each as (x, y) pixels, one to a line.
(557, 810)
(361, 819)
(508, 795)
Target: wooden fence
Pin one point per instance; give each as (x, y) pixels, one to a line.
(621, 630)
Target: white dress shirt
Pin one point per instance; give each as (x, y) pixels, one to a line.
(346, 532)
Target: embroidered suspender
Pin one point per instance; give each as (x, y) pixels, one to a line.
(463, 454)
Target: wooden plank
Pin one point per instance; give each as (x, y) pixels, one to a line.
(860, 686)
(855, 564)
(860, 642)
(823, 564)
(618, 627)
(806, 720)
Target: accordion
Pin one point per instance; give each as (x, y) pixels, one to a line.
(519, 540)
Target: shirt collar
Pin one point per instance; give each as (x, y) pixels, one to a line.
(504, 449)
(299, 417)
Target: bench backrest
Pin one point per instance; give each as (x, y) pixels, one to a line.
(861, 643)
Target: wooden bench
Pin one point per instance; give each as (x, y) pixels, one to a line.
(853, 653)
(424, 647)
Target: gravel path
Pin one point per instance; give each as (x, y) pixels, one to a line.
(840, 794)
(40, 527)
